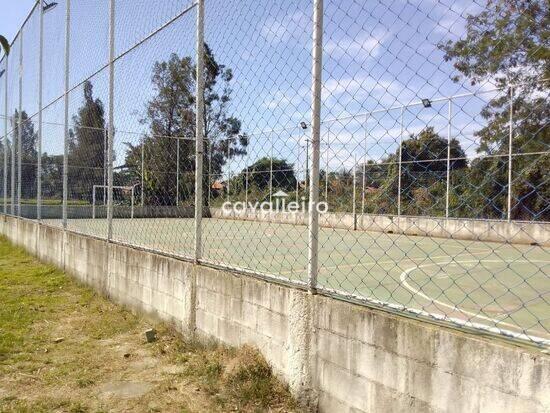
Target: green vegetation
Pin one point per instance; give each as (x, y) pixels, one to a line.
(171, 113)
(5, 45)
(506, 44)
(65, 348)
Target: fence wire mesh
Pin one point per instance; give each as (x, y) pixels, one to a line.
(416, 180)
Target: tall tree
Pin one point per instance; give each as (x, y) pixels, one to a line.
(278, 171)
(87, 156)
(171, 116)
(52, 176)
(424, 171)
(507, 43)
(28, 152)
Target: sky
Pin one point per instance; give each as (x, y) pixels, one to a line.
(378, 57)
(12, 16)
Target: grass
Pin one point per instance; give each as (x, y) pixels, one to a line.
(64, 348)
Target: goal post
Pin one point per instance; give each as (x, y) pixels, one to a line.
(124, 189)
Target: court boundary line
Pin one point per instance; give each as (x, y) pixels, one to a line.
(405, 273)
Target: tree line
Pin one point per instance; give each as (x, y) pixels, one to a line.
(505, 44)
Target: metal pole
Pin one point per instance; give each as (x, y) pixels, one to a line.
(246, 181)
(228, 169)
(93, 201)
(111, 120)
(177, 171)
(510, 137)
(13, 162)
(363, 185)
(20, 128)
(39, 143)
(209, 178)
(307, 164)
(199, 148)
(448, 159)
(6, 140)
(271, 170)
(313, 225)
(143, 171)
(298, 173)
(105, 140)
(354, 206)
(132, 202)
(326, 168)
(364, 179)
(66, 103)
(246, 187)
(399, 167)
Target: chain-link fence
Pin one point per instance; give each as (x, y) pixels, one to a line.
(395, 154)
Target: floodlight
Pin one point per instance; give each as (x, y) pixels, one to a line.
(303, 125)
(427, 103)
(48, 6)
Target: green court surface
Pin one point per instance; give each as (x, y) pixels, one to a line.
(502, 287)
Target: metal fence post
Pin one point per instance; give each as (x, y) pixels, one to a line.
(111, 119)
(399, 165)
(199, 148)
(39, 143)
(448, 159)
(66, 121)
(510, 138)
(298, 173)
(209, 177)
(364, 170)
(316, 88)
(246, 182)
(143, 171)
(20, 127)
(6, 140)
(177, 171)
(13, 162)
(326, 165)
(105, 140)
(246, 188)
(132, 202)
(354, 207)
(94, 200)
(271, 170)
(363, 184)
(228, 169)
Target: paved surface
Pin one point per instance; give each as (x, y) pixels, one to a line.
(496, 285)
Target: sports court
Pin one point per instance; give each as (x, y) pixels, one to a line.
(496, 286)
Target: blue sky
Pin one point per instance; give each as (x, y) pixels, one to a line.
(12, 16)
(377, 55)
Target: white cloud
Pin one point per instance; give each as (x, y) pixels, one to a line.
(351, 84)
(364, 44)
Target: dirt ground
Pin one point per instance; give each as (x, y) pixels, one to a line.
(63, 348)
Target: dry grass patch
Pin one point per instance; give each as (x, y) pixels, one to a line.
(63, 348)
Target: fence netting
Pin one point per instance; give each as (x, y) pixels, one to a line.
(416, 180)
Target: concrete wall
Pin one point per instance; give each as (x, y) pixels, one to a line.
(119, 211)
(517, 232)
(336, 356)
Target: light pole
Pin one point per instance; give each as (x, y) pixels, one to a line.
(48, 6)
(303, 125)
(142, 171)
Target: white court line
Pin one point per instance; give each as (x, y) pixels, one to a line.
(404, 274)
(396, 261)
